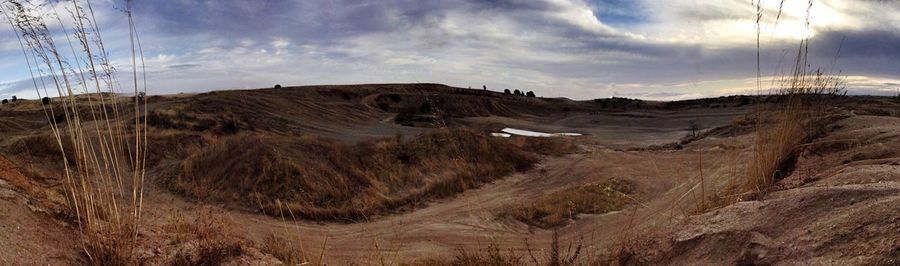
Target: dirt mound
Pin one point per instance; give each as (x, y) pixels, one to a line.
(323, 179)
(837, 207)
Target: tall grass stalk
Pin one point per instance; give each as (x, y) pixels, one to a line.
(802, 92)
(102, 151)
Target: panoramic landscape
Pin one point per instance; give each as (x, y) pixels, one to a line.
(458, 132)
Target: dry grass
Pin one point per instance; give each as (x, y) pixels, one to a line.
(805, 93)
(554, 255)
(101, 153)
(322, 179)
(802, 118)
(203, 240)
(558, 208)
(286, 249)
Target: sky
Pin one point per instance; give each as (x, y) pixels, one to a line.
(650, 49)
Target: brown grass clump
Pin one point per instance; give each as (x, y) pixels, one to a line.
(322, 179)
(491, 255)
(558, 208)
(554, 255)
(802, 118)
(285, 249)
(804, 92)
(203, 240)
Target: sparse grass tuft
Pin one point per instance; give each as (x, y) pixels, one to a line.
(284, 249)
(804, 93)
(558, 208)
(554, 255)
(203, 240)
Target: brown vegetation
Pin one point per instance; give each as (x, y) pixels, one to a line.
(554, 255)
(202, 240)
(558, 208)
(322, 179)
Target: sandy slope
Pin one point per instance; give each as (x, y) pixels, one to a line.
(841, 207)
(28, 233)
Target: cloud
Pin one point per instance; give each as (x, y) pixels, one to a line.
(574, 48)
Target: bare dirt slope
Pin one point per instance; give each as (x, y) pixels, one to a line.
(841, 206)
(29, 233)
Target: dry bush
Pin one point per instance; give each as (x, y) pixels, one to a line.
(285, 249)
(105, 247)
(44, 146)
(558, 208)
(491, 255)
(322, 179)
(554, 255)
(203, 240)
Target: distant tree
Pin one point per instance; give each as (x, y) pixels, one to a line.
(506, 91)
(278, 86)
(5, 101)
(14, 98)
(484, 86)
(531, 94)
(517, 92)
(45, 100)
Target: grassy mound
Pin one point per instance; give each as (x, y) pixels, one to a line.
(322, 179)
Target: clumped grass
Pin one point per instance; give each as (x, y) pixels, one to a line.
(554, 255)
(283, 248)
(203, 240)
(805, 93)
(102, 154)
(558, 208)
(802, 118)
(491, 255)
(322, 179)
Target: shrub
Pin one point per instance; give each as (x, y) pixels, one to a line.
(284, 249)
(203, 240)
(558, 208)
(554, 255)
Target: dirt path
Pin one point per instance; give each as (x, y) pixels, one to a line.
(470, 220)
